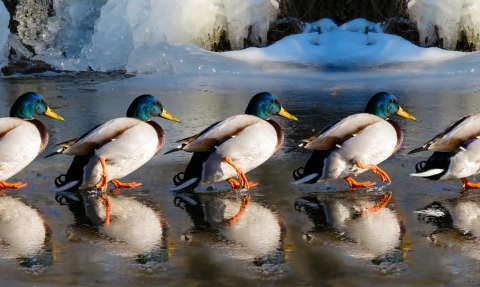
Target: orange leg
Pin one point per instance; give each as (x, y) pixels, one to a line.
(108, 208)
(241, 176)
(103, 182)
(379, 205)
(354, 183)
(467, 184)
(6, 185)
(243, 206)
(376, 170)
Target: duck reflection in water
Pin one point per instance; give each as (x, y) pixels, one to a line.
(135, 229)
(24, 235)
(256, 236)
(455, 222)
(360, 225)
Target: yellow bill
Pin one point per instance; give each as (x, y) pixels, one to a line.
(168, 116)
(53, 115)
(286, 114)
(401, 112)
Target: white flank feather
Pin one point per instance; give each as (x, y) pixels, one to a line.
(429, 172)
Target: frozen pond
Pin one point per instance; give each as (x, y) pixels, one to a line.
(290, 235)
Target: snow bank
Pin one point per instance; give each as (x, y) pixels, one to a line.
(344, 47)
(4, 31)
(450, 17)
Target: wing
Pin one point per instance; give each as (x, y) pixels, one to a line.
(9, 124)
(454, 136)
(97, 137)
(334, 133)
(218, 133)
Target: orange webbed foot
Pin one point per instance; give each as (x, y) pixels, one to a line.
(376, 170)
(354, 184)
(103, 182)
(240, 174)
(379, 205)
(243, 206)
(467, 184)
(16, 185)
(235, 184)
(119, 184)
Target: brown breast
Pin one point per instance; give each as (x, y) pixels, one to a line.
(399, 135)
(280, 136)
(160, 135)
(43, 134)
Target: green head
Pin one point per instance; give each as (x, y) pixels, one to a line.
(30, 104)
(263, 105)
(384, 104)
(145, 107)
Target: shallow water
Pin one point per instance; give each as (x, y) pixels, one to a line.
(289, 235)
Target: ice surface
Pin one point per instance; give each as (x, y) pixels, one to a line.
(165, 57)
(4, 32)
(449, 17)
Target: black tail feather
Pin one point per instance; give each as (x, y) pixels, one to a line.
(315, 164)
(439, 160)
(193, 170)
(75, 172)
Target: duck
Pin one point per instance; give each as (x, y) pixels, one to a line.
(456, 153)
(234, 146)
(112, 150)
(355, 144)
(22, 137)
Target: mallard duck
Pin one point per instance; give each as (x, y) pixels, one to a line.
(234, 146)
(355, 144)
(22, 137)
(116, 148)
(457, 153)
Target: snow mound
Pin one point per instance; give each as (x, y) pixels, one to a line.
(344, 47)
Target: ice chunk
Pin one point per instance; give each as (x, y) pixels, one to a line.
(444, 19)
(4, 32)
(72, 27)
(126, 25)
